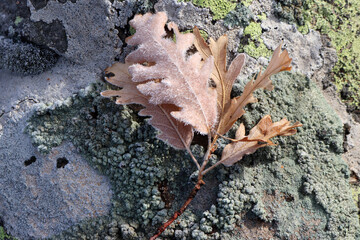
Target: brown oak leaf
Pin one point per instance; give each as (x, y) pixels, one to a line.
(174, 132)
(279, 62)
(223, 78)
(170, 75)
(232, 109)
(259, 136)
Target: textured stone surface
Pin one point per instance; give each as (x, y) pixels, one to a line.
(25, 59)
(297, 189)
(91, 37)
(270, 187)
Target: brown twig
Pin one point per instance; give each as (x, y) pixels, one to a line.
(194, 191)
(192, 195)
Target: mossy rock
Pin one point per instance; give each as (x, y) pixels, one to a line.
(297, 189)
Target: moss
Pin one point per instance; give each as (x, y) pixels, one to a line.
(252, 43)
(219, 8)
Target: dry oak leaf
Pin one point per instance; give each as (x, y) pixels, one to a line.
(259, 136)
(175, 133)
(223, 78)
(170, 76)
(279, 62)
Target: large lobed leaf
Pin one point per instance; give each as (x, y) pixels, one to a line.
(169, 75)
(175, 133)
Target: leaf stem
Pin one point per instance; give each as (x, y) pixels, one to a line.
(193, 157)
(206, 156)
(178, 213)
(196, 188)
(213, 166)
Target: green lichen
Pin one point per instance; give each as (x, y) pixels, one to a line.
(203, 33)
(218, 8)
(252, 43)
(292, 11)
(341, 22)
(262, 17)
(18, 20)
(355, 190)
(247, 3)
(297, 188)
(132, 30)
(4, 235)
(308, 174)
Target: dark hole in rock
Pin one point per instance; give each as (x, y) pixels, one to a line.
(166, 196)
(288, 197)
(39, 4)
(95, 113)
(30, 161)
(61, 162)
(347, 129)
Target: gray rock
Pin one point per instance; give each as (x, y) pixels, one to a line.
(45, 195)
(303, 49)
(24, 58)
(91, 35)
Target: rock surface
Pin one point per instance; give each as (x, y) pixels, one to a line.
(75, 165)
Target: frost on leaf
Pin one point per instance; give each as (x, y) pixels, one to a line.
(175, 133)
(259, 136)
(167, 75)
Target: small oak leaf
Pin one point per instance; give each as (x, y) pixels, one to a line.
(259, 136)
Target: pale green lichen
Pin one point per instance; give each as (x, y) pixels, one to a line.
(4, 235)
(218, 8)
(298, 187)
(355, 190)
(18, 20)
(255, 46)
(341, 22)
(247, 3)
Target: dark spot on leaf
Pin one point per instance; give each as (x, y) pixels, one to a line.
(212, 83)
(109, 75)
